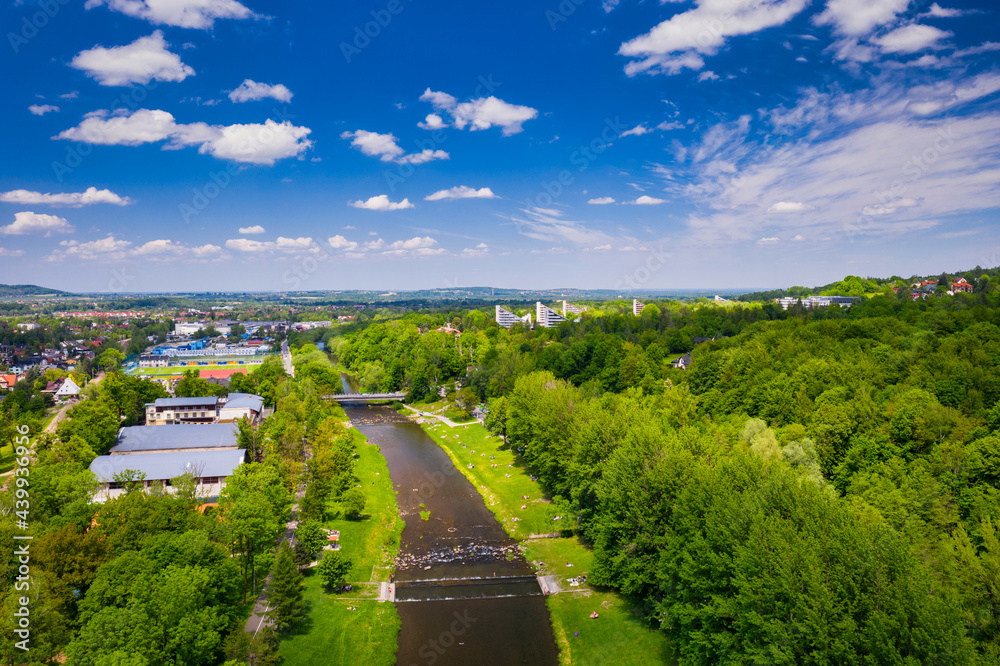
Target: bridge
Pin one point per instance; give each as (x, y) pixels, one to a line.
(365, 397)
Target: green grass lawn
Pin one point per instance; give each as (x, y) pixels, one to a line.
(582, 640)
(503, 486)
(373, 542)
(6, 458)
(333, 634)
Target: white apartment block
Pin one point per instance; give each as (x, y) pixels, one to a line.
(506, 318)
(546, 316)
(637, 307)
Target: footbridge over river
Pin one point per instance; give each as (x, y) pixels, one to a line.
(360, 398)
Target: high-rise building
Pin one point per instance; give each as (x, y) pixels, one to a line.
(568, 309)
(506, 318)
(546, 316)
(637, 307)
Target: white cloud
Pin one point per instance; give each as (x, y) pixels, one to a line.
(768, 241)
(5, 252)
(105, 248)
(938, 11)
(985, 47)
(789, 207)
(708, 75)
(144, 60)
(70, 95)
(645, 200)
(198, 14)
(669, 125)
(600, 201)
(462, 192)
(433, 122)
(249, 245)
(418, 245)
(301, 244)
(381, 203)
(478, 251)
(42, 109)
(75, 199)
(250, 143)
(546, 225)
(384, 147)
(638, 130)
(479, 114)
(36, 223)
(798, 238)
(857, 18)
(340, 243)
(911, 38)
(255, 229)
(679, 42)
(250, 91)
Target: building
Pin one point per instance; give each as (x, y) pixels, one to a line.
(546, 317)
(7, 381)
(154, 361)
(568, 309)
(961, 285)
(637, 307)
(170, 411)
(68, 390)
(174, 439)
(28, 326)
(209, 467)
(817, 301)
(506, 318)
(683, 363)
(241, 405)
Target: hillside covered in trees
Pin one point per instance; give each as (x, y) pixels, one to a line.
(818, 487)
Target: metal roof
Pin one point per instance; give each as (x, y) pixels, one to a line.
(181, 436)
(184, 402)
(243, 401)
(162, 466)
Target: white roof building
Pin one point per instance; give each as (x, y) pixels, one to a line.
(546, 316)
(506, 318)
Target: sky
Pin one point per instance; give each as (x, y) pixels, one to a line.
(220, 145)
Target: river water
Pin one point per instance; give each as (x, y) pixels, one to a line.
(464, 592)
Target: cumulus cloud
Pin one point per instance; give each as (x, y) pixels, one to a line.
(162, 250)
(7, 252)
(42, 109)
(418, 245)
(144, 60)
(647, 201)
(198, 14)
(462, 192)
(381, 202)
(74, 199)
(338, 242)
(281, 244)
(250, 91)
(679, 42)
(708, 75)
(911, 38)
(789, 207)
(938, 11)
(432, 122)
(479, 114)
(478, 251)
(638, 130)
(386, 148)
(255, 229)
(858, 18)
(768, 241)
(249, 245)
(600, 201)
(250, 143)
(36, 223)
(105, 248)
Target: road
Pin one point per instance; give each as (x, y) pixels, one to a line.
(286, 359)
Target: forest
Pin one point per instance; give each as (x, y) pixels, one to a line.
(818, 487)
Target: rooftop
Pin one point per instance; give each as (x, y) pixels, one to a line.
(163, 466)
(185, 402)
(245, 400)
(182, 436)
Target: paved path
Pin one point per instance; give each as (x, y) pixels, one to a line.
(286, 359)
(443, 419)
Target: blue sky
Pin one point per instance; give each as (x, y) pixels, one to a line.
(169, 145)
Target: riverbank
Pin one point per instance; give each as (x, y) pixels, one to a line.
(367, 635)
(504, 483)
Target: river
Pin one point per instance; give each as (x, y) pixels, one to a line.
(464, 592)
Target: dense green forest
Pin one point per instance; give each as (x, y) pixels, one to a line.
(819, 487)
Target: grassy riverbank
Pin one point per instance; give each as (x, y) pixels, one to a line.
(366, 636)
(334, 634)
(618, 631)
(618, 634)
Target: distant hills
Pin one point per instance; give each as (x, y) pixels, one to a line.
(16, 290)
